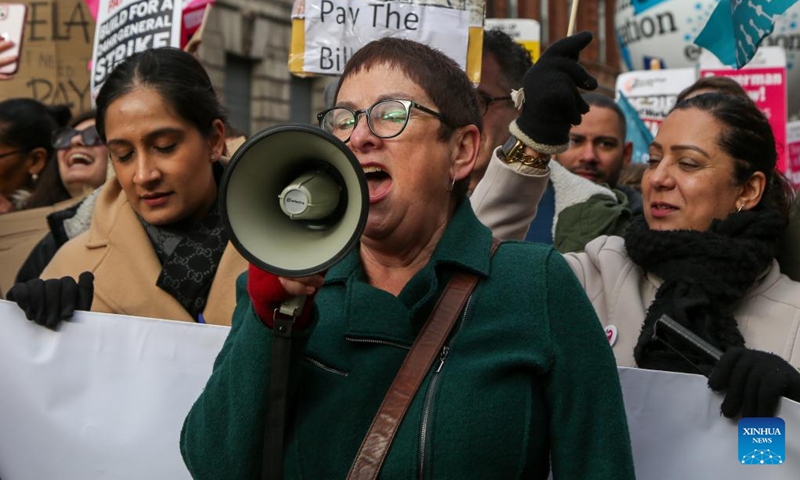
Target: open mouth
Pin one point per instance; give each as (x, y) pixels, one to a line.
(79, 158)
(660, 210)
(378, 181)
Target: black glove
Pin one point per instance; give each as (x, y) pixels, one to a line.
(552, 103)
(48, 302)
(754, 381)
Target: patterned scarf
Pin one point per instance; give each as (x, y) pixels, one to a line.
(190, 256)
(705, 275)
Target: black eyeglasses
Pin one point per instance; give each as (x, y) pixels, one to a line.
(386, 118)
(484, 100)
(62, 139)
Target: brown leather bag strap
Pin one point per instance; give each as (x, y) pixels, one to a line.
(415, 367)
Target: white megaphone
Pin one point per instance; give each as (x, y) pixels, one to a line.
(294, 200)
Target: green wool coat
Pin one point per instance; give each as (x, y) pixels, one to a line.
(526, 378)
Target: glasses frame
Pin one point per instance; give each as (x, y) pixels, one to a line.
(488, 100)
(368, 113)
(69, 130)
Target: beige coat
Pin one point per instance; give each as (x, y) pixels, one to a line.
(19, 233)
(118, 251)
(621, 292)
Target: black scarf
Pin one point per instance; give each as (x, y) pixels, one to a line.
(190, 256)
(705, 275)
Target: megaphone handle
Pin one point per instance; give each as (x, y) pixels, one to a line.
(284, 317)
(292, 307)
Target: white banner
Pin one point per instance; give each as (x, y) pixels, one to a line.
(336, 29)
(102, 398)
(677, 431)
(105, 398)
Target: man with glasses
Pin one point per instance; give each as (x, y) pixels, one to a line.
(567, 211)
(502, 69)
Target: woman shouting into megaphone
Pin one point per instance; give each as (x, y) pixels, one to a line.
(521, 378)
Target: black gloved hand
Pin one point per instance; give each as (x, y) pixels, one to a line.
(48, 302)
(552, 103)
(754, 381)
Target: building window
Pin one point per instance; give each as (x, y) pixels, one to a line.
(238, 88)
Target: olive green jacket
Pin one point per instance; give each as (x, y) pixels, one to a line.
(526, 379)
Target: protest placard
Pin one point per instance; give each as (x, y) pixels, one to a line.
(55, 56)
(764, 80)
(652, 93)
(793, 153)
(125, 27)
(326, 33)
(525, 31)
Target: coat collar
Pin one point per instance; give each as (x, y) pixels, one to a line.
(465, 244)
(372, 313)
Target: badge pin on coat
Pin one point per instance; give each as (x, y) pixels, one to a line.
(611, 334)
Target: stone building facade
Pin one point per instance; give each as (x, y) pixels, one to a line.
(245, 49)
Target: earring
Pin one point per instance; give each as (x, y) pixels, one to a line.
(452, 184)
(213, 156)
(741, 207)
(34, 177)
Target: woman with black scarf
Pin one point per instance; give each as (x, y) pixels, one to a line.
(156, 246)
(703, 253)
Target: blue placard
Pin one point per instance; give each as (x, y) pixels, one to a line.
(640, 6)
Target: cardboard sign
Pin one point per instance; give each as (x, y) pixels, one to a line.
(652, 93)
(764, 80)
(55, 56)
(326, 33)
(125, 27)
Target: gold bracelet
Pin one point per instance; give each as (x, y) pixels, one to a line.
(518, 155)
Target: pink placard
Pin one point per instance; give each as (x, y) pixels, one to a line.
(766, 86)
(793, 150)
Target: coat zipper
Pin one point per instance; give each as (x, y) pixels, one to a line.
(328, 369)
(380, 342)
(430, 394)
(342, 373)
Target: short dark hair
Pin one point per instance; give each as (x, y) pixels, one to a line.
(513, 59)
(747, 137)
(176, 75)
(719, 84)
(27, 124)
(595, 99)
(437, 74)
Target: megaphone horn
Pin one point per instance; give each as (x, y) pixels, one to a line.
(294, 200)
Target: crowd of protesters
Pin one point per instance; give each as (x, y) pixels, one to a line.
(117, 211)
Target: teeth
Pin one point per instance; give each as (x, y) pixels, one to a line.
(80, 157)
(372, 169)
